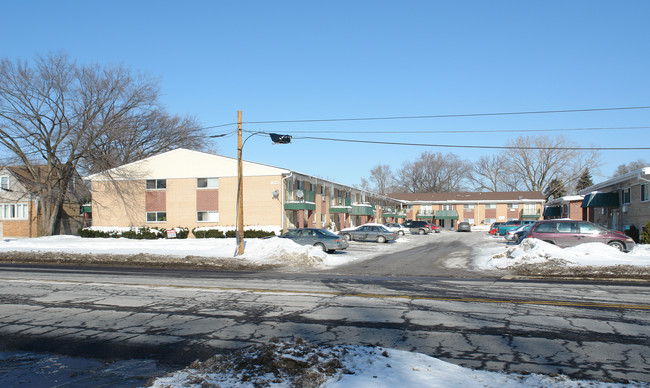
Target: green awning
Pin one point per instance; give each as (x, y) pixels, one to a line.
(425, 216)
(362, 211)
(339, 209)
(552, 211)
(446, 215)
(597, 199)
(530, 215)
(299, 206)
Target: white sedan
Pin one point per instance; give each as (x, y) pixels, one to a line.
(395, 227)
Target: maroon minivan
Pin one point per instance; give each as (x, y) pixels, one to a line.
(567, 233)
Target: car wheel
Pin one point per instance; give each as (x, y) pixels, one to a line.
(400, 232)
(422, 231)
(347, 237)
(331, 250)
(617, 244)
(381, 239)
(321, 246)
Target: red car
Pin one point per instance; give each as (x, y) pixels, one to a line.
(494, 228)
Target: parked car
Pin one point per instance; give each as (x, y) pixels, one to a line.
(520, 235)
(434, 228)
(494, 228)
(512, 224)
(418, 227)
(369, 232)
(464, 227)
(567, 233)
(510, 235)
(322, 238)
(395, 227)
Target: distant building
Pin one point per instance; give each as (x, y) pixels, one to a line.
(619, 203)
(447, 209)
(564, 207)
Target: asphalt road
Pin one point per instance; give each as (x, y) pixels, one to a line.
(418, 300)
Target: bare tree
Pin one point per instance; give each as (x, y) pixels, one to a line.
(382, 178)
(434, 172)
(536, 161)
(623, 169)
(55, 114)
(493, 173)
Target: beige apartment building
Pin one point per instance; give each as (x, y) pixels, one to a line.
(195, 189)
(447, 209)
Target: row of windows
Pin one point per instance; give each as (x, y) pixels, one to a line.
(204, 216)
(14, 211)
(201, 183)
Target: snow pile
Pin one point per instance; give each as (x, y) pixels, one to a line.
(301, 364)
(257, 251)
(534, 251)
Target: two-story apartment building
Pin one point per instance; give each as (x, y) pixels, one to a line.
(196, 189)
(447, 209)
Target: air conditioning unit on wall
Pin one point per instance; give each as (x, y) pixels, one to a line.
(625, 208)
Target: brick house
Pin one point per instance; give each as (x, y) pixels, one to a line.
(564, 207)
(19, 212)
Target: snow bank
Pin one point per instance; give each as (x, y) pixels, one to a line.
(534, 251)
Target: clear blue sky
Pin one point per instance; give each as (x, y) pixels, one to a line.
(293, 60)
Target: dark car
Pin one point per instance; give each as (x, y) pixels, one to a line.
(464, 227)
(369, 232)
(418, 227)
(568, 233)
(322, 238)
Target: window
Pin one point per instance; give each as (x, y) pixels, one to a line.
(156, 216)
(530, 208)
(426, 209)
(156, 184)
(14, 211)
(447, 207)
(207, 216)
(626, 195)
(645, 193)
(207, 183)
(567, 227)
(468, 206)
(469, 220)
(490, 205)
(547, 227)
(489, 220)
(591, 229)
(513, 206)
(4, 183)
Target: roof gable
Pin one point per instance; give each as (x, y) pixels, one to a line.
(184, 163)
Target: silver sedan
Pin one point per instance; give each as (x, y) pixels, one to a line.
(369, 233)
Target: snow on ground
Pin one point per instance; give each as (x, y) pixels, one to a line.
(287, 365)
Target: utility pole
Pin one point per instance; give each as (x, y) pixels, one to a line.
(240, 189)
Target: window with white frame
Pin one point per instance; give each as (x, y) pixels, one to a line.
(468, 206)
(470, 220)
(207, 183)
(4, 183)
(426, 209)
(490, 205)
(626, 195)
(156, 216)
(14, 211)
(207, 216)
(156, 184)
(447, 207)
(513, 206)
(645, 192)
(489, 220)
(530, 208)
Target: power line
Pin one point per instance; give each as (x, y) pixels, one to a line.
(473, 131)
(443, 116)
(472, 146)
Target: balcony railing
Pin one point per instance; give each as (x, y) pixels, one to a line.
(294, 196)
